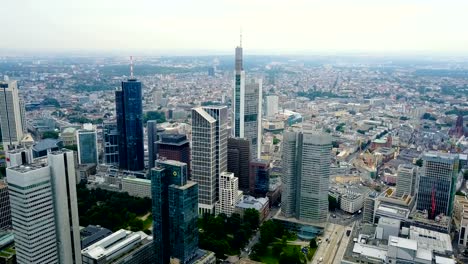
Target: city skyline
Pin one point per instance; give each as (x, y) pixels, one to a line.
(269, 27)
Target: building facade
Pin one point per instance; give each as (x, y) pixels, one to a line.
(238, 157)
(175, 147)
(259, 180)
(271, 105)
(11, 114)
(137, 187)
(5, 212)
(129, 112)
(209, 153)
(406, 180)
(86, 141)
(229, 194)
(437, 183)
(306, 174)
(152, 135)
(110, 137)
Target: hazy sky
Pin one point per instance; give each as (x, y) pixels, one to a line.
(269, 26)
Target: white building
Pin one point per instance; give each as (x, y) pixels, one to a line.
(11, 114)
(271, 105)
(460, 218)
(32, 213)
(351, 202)
(229, 194)
(137, 187)
(406, 180)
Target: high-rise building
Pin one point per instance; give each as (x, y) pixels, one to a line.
(247, 106)
(175, 206)
(306, 175)
(86, 141)
(238, 157)
(111, 144)
(209, 153)
(157, 97)
(62, 172)
(152, 132)
(406, 180)
(175, 147)
(129, 111)
(229, 194)
(437, 183)
(259, 180)
(11, 114)
(5, 212)
(271, 105)
(30, 190)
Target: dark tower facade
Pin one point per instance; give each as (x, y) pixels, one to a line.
(129, 111)
(174, 147)
(239, 161)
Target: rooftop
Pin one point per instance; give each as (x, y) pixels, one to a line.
(137, 180)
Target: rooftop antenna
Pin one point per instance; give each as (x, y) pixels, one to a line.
(131, 67)
(241, 37)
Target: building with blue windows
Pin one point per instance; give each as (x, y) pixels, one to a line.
(175, 212)
(129, 112)
(86, 141)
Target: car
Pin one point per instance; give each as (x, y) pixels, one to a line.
(334, 215)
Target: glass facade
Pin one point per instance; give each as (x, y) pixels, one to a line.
(87, 147)
(130, 125)
(111, 144)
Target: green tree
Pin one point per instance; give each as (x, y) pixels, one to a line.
(72, 147)
(313, 243)
(292, 255)
(419, 163)
(332, 203)
(276, 141)
(160, 117)
(50, 134)
(252, 217)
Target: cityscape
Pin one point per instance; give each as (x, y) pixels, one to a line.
(244, 156)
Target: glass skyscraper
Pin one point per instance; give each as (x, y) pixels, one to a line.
(175, 217)
(87, 146)
(129, 112)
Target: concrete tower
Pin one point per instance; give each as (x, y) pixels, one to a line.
(11, 114)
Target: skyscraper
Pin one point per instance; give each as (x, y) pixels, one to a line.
(271, 105)
(437, 183)
(306, 174)
(209, 153)
(406, 180)
(129, 111)
(62, 172)
(49, 232)
(239, 161)
(11, 114)
(30, 190)
(5, 212)
(86, 141)
(229, 194)
(175, 147)
(259, 179)
(175, 217)
(246, 106)
(152, 131)
(111, 143)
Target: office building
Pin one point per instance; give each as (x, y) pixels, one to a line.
(129, 112)
(306, 175)
(111, 144)
(175, 205)
(152, 134)
(406, 180)
(121, 247)
(209, 153)
(5, 212)
(11, 114)
(259, 180)
(246, 106)
(137, 187)
(262, 205)
(238, 157)
(157, 97)
(30, 190)
(92, 234)
(175, 147)
(271, 105)
(351, 202)
(229, 194)
(86, 141)
(63, 179)
(437, 183)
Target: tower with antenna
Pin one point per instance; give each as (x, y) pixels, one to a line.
(131, 68)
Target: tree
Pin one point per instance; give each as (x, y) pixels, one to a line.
(276, 141)
(332, 203)
(154, 115)
(252, 217)
(313, 243)
(50, 134)
(72, 147)
(51, 102)
(419, 163)
(292, 255)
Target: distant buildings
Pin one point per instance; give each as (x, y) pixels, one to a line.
(11, 114)
(306, 174)
(129, 112)
(271, 105)
(123, 247)
(229, 194)
(5, 212)
(247, 107)
(209, 153)
(175, 147)
(437, 183)
(87, 146)
(458, 130)
(238, 161)
(406, 180)
(175, 217)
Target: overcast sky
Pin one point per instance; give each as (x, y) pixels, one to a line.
(269, 26)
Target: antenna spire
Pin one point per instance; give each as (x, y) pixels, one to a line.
(131, 67)
(241, 37)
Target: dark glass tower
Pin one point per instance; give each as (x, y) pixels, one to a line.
(175, 216)
(129, 111)
(239, 161)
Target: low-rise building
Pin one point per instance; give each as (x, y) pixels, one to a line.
(351, 202)
(92, 234)
(259, 204)
(137, 187)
